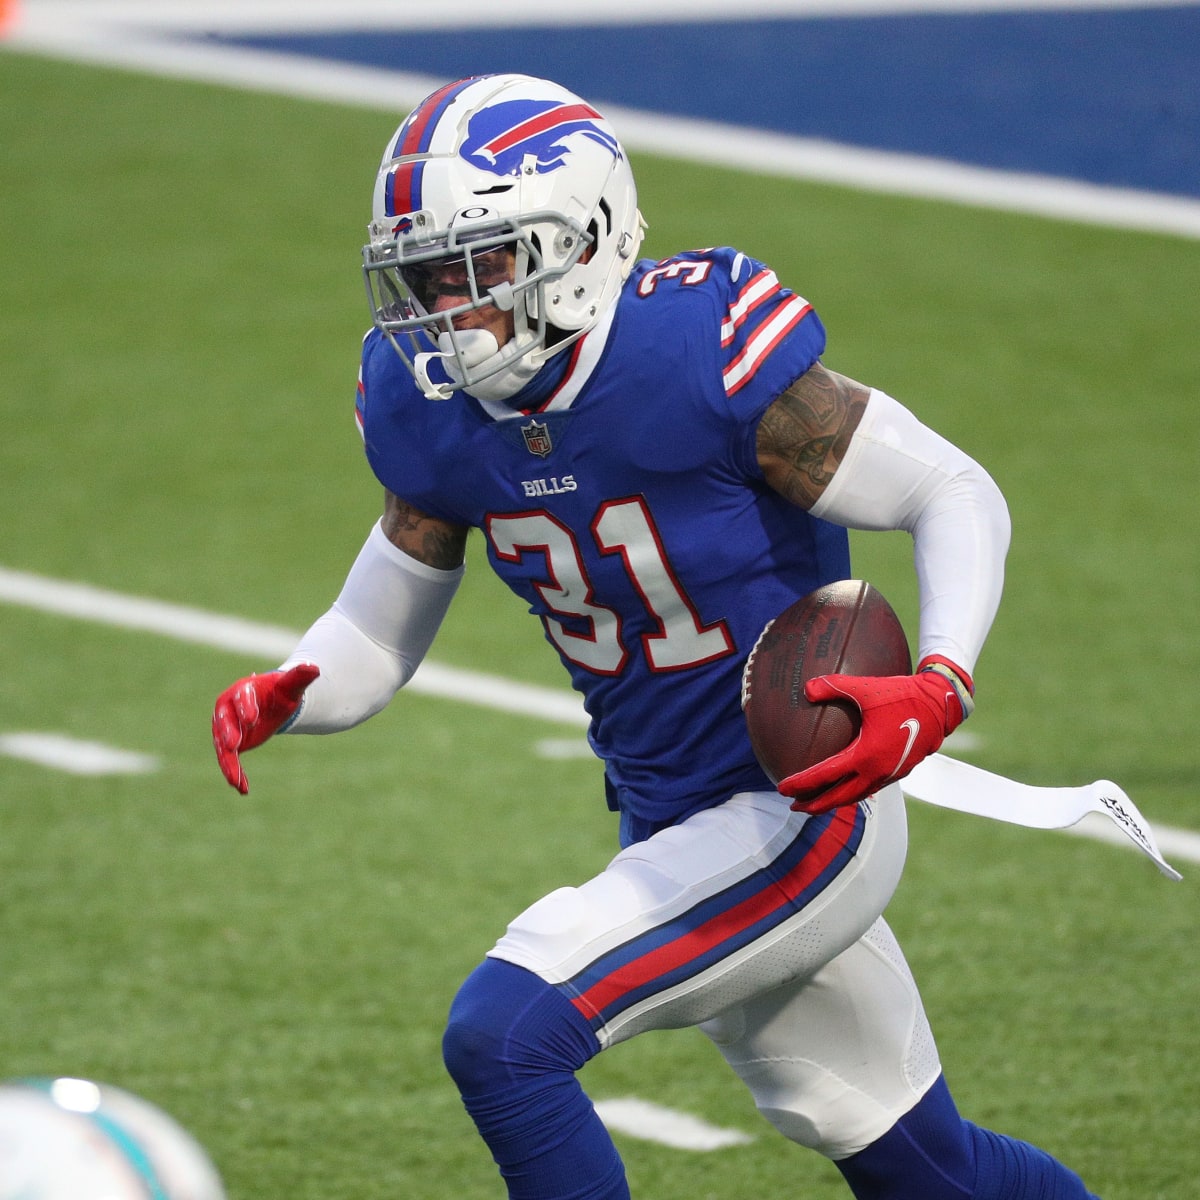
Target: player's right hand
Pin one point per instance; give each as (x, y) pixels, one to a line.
(905, 718)
(250, 711)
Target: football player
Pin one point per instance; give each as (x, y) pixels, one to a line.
(660, 463)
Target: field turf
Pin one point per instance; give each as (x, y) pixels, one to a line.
(181, 315)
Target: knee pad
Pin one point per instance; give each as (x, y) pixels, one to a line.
(507, 1025)
(513, 1044)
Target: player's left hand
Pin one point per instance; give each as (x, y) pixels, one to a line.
(905, 718)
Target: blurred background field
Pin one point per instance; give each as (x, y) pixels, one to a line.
(181, 316)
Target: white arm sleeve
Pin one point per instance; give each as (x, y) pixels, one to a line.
(373, 638)
(899, 474)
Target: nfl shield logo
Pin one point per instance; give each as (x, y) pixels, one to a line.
(537, 439)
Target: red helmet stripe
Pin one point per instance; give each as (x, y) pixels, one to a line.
(417, 131)
(404, 189)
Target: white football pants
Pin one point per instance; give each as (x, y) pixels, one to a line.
(764, 927)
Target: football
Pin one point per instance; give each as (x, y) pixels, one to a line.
(844, 628)
(71, 1139)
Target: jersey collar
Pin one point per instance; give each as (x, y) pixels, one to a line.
(579, 364)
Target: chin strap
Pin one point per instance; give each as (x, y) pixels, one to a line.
(459, 352)
(432, 390)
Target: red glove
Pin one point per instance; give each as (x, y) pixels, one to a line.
(905, 718)
(251, 711)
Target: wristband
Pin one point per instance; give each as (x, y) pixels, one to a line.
(959, 680)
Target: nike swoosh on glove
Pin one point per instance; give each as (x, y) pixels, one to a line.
(905, 718)
(253, 709)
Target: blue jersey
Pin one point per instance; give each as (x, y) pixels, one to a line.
(627, 508)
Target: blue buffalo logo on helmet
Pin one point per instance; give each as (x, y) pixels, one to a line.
(500, 136)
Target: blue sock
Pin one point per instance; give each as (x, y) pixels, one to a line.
(513, 1044)
(931, 1153)
(1012, 1168)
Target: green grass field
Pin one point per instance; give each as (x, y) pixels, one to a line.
(182, 310)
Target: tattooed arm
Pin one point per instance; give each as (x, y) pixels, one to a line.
(803, 436)
(858, 458)
(855, 456)
(431, 541)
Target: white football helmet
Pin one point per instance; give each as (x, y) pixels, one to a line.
(504, 191)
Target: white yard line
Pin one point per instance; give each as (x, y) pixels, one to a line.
(145, 35)
(311, 16)
(1172, 842)
(62, 753)
(270, 642)
(652, 1123)
(273, 643)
